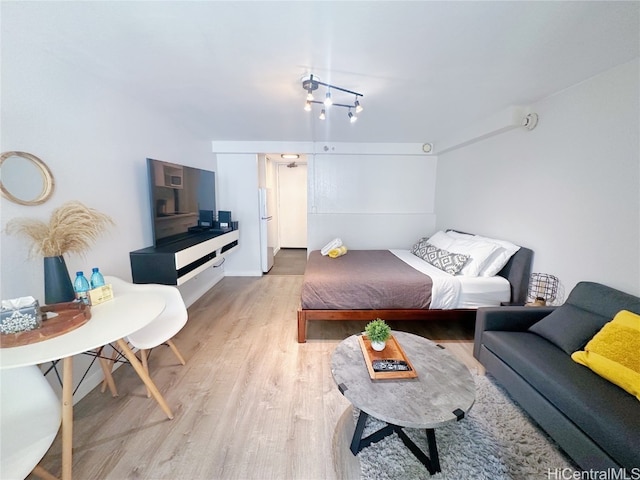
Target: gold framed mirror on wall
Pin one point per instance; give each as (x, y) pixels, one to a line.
(25, 179)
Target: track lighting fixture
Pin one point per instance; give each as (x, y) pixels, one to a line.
(311, 84)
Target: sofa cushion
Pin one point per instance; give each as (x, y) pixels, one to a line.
(587, 309)
(605, 413)
(613, 353)
(569, 327)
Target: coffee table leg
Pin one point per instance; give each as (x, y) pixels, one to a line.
(357, 434)
(432, 462)
(433, 449)
(358, 443)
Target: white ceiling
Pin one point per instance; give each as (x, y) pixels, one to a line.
(232, 70)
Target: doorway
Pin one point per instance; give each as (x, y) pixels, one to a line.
(292, 204)
(289, 261)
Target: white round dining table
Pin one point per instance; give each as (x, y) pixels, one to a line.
(110, 322)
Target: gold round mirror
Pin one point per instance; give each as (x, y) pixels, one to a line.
(24, 178)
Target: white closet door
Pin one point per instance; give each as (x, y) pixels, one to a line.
(292, 206)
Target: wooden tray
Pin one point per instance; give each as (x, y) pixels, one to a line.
(393, 351)
(71, 315)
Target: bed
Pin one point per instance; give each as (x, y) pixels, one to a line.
(413, 285)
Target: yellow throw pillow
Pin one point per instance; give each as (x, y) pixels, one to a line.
(614, 352)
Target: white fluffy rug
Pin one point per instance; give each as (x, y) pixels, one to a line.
(495, 441)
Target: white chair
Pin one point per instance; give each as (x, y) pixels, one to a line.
(162, 329)
(30, 416)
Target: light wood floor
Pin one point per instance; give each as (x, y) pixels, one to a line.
(251, 403)
(289, 261)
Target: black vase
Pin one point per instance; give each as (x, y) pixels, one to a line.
(57, 283)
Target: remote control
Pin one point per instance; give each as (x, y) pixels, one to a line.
(390, 366)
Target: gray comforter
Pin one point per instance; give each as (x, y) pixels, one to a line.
(362, 280)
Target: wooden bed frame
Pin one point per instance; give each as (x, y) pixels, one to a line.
(517, 271)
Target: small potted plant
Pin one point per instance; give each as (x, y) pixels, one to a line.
(378, 332)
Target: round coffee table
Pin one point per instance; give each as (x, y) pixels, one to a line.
(443, 392)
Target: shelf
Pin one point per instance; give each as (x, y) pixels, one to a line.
(178, 262)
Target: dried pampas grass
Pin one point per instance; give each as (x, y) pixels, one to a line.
(73, 227)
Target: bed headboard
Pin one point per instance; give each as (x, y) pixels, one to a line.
(517, 271)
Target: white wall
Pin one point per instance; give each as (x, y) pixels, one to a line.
(371, 201)
(374, 195)
(238, 182)
(568, 189)
(95, 141)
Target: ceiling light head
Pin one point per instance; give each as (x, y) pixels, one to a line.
(323, 115)
(290, 156)
(358, 106)
(352, 118)
(307, 106)
(310, 96)
(327, 99)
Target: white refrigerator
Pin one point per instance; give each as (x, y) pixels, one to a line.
(267, 233)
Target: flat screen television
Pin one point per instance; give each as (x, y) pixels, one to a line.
(183, 201)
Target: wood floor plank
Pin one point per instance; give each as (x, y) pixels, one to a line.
(251, 402)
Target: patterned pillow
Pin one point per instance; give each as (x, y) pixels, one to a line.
(446, 261)
(420, 248)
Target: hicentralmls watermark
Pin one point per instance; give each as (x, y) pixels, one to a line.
(608, 474)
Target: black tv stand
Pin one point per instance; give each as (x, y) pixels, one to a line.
(182, 259)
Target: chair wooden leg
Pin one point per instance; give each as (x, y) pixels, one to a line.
(40, 472)
(145, 377)
(107, 366)
(103, 385)
(114, 354)
(175, 350)
(144, 356)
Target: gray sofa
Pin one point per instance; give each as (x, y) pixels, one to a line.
(527, 350)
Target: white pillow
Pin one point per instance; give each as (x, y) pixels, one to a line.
(441, 240)
(499, 258)
(478, 251)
